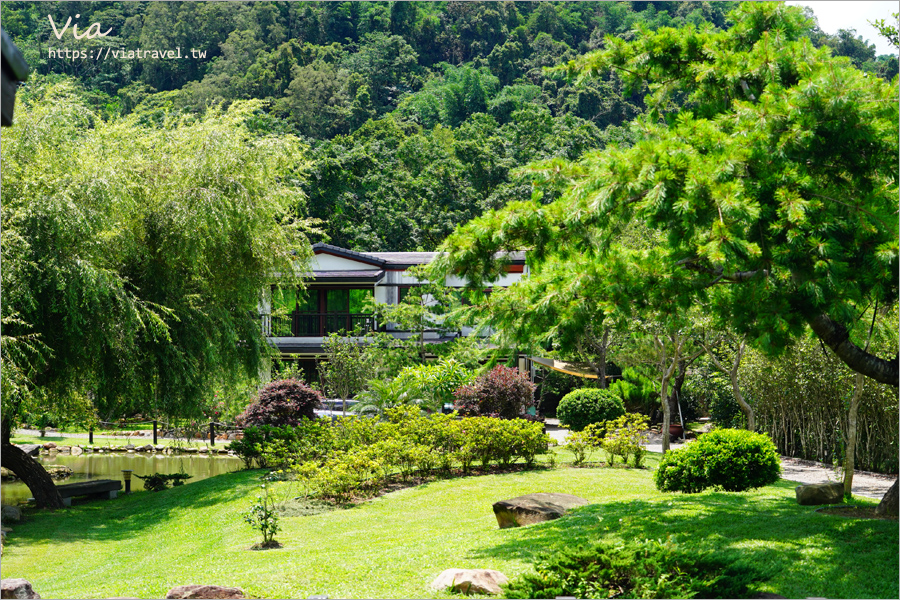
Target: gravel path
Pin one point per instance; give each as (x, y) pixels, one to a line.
(870, 485)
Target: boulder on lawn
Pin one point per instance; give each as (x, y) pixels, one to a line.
(470, 581)
(214, 592)
(49, 446)
(10, 513)
(888, 505)
(820, 493)
(76, 450)
(17, 588)
(534, 508)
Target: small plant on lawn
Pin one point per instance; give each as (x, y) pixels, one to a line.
(159, 481)
(644, 569)
(263, 517)
(581, 445)
(733, 460)
(586, 406)
(625, 438)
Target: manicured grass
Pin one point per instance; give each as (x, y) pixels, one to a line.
(393, 546)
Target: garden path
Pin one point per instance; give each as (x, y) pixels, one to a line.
(870, 485)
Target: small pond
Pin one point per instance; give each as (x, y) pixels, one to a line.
(109, 466)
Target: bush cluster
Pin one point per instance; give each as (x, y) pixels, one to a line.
(354, 456)
(587, 406)
(642, 569)
(502, 392)
(733, 460)
(623, 437)
(283, 402)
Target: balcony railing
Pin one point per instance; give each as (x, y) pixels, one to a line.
(320, 324)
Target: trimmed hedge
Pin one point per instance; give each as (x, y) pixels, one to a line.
(587, 406)
(732, 460)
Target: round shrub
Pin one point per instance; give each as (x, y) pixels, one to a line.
(586, 406)
(283, 402)
(501, 392)
(733, 460)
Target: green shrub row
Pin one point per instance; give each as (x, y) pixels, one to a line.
(354, 456)
(733, 460)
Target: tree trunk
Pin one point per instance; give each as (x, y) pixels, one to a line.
(850, 458)
(888, 505)
(835, 336)
(32, 474)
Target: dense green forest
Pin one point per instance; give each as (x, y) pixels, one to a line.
(416, 115)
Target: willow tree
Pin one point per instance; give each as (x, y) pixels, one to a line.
(134, 256)
(768, 166)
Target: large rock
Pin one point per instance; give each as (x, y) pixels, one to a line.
(17, 588)
(888, 505)
(77, 450)
(534, 508)
(30, 449)
(470, 581)
(10, 513)
(820, 493)
(214, 592)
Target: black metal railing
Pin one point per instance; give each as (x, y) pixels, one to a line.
(299, 324)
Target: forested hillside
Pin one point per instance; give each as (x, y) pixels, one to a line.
(417, 114)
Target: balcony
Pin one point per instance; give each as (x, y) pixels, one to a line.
(298, 324)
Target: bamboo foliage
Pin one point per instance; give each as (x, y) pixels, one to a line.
(802, 399)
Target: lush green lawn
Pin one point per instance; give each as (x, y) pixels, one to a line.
(393, 546)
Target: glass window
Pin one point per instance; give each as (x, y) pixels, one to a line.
(284, 300)
(337, 301)
(361, 301)
(309, 301)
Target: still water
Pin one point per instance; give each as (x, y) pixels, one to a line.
(109, 466)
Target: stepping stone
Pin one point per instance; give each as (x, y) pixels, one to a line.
(815, 494)
(534, 508)
(470, 581)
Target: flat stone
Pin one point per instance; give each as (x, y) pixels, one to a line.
(470, 581)
(30, 449)
(17, 588)
(534, 508)
(815, 494)
(214, 592)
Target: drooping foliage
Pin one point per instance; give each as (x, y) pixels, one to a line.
(133, 254)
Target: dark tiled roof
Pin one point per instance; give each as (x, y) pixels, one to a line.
(396, 259)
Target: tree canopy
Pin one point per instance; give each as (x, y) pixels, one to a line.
(768, 166)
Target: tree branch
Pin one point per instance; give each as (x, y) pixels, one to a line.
(837, 338)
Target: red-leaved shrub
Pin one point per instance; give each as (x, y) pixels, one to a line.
(282, 402)
(501, 392)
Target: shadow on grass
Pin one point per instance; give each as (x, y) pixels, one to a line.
(128, 516)
(806, 552)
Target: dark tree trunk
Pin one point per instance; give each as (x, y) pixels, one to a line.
(835, 336)
(888, 506)
(30, 472)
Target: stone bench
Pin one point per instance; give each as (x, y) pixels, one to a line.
(106, 489)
